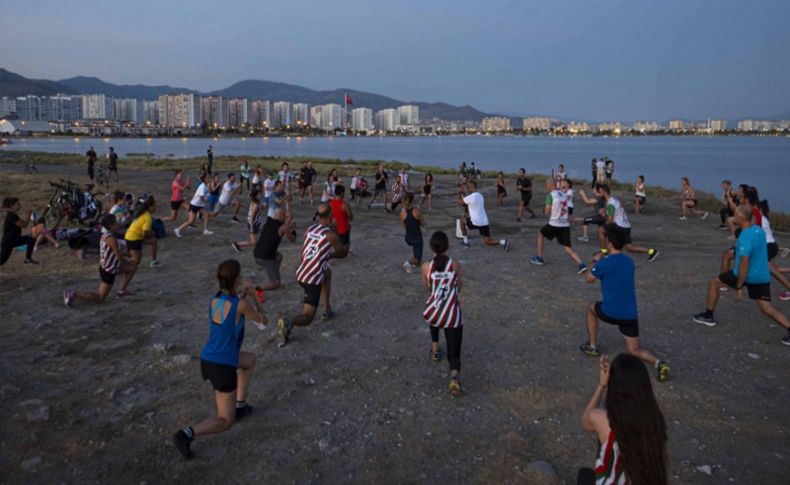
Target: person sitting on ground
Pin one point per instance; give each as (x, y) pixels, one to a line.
(111, 263)
(751, 270)
(631, 430)
(42, 234)
(12, 232)
(266, 254)
(222, 362)
(640, 194)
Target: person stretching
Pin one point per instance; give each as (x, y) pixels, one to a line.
(140, 232)
(197, 206)
(266, 255)
(12, 232)
(222, 362)
(477, 218)
(227, 197)
(559, 226)
(598, 218)
(341, 216)
(631, 431)
(617, 219)
(524, 187)
(321, 243)
(688, 201)
(442, 278)
(253, 222)
(177, 187)
(617, 275)
(751, 270)
(411, 218)
(640, 194)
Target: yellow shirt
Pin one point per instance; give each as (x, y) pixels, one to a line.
(140, 227)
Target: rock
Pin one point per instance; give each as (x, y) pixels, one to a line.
(753, 355)
(541, 473)
(705, 469)
(323, 444)
(31, 464)
(182, 359)
(35, 410)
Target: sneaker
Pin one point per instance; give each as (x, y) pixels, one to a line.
(604, 251)
(182, 444)
(155, 264)
(465, 244)
(124, 293)
(236, 247)
(682, 218)
(662, 371)
(206, 232)
(722, 226)
(537, 260)
(235, 220)
(786, 338)
(177, 232)
(31, 261)
(590, 350)
(507, 247)
(581, 269)
(327, 315)
(703, 319)
(652, 254)
(455, 387)
(784, 296)
(284, 326)
(407, 267)
(704, 216)
(68, 297)
(243, 412)
(583, 238)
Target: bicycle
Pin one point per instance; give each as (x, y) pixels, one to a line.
(68, 201)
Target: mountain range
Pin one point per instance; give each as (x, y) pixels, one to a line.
(12, 84)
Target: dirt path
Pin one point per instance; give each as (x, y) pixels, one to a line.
(92, 394)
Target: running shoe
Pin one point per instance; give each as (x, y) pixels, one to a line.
(236, 247)
(177, 232)
(68, 298)
(662, 371)
(722, 226)
(284, 326)
(206, 232)
(155, 264)
(407, 267)
(235, 220)
(704, 215)
(455, 387)
(465, 244)
(583, 238)
(652, 254)
(193, 225)
(81, 255)
(590, 350)
(784, 296)
(537, 260)
(704, 319)
(327, 315)
(124, 293)
(581, 269)
(243, 412)
(682, 218)
(507, 247)
(30, 261)
(182, 443)
(436, 356)
(786, 338)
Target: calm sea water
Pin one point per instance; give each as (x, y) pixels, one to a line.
(760, 161)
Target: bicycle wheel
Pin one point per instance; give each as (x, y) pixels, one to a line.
(54, 214)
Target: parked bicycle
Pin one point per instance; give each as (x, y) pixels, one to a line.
(70, 202)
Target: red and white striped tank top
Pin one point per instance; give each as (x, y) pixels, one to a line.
(315, 255)
(107, 260)
(609, 465)
(443, 310)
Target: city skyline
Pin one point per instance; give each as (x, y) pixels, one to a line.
(608, 60)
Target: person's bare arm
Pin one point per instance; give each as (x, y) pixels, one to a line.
(114, 248)
(425, 276)
(594, 418)
(742, 271)
(350, 214)
(586, 199)
(23, 221)
(403, 217)
(340, 250)
(457, 268)
(589, 277)
(420, 216)
(249, 306)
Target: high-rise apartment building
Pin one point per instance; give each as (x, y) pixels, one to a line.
(300, 114)
(239, 110)
(536, 123)
(7, 106)
(151, 112)
(30, 108)
(97, 107)
(409, 115)
(128, 109)
(215, 111)
(717, 125)
(260, 114)
(388, 120)
(315, 116)
(281, 114)
(677, 125)
(645, 126)
(496, 123)
(180, 110)
(331, 117)
(362, 119)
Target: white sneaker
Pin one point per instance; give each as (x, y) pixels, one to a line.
(155, 264)
(407, 267)
(177, 232)
(704, 215)
(682, 218)
(206, 232)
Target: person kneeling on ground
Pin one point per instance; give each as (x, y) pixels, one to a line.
(267, 257)
(222, 361)
(111, 264)
(631, 430)
(477, 218)
(618, 287)
(141, 232)
(12, 232)
(751, 270)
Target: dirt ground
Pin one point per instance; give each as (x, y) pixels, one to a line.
(93, 393)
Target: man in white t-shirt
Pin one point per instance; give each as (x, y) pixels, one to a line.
(197, 206)
(229, 189)
(559, 226)
(477, 218)
(600, 171)
(617, 219)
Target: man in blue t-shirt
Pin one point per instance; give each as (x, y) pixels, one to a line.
(618, 285)
(750, 270)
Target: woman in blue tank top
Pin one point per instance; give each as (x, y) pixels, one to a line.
(222, 361)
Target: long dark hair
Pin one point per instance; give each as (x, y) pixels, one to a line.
(227, 273)
(636, 421)
(144, 205)
(439, 244)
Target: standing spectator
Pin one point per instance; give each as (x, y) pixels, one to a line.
(609, 171)
(90, 155)
(113, 164)
(210, 158)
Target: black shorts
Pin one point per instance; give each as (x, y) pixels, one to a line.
(760, 291)
(345, 239)
(625, 231)
(526, 199)
(642, 200)
(563, 234)
(597, 219)
(485, 231)
(312, 294)
(106, 277)
(773, 250)
(629, 328)
(223, 377)
(134, 245)
(501, 191)
(176, 204)
(90, 172)
(195, 208)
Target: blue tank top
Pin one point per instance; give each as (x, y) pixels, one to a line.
(224, 339)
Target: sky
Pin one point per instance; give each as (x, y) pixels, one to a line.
(587, 60)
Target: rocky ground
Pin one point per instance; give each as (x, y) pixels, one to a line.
(93, 393)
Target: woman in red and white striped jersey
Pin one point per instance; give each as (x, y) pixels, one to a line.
(442, 278)
(321, 243)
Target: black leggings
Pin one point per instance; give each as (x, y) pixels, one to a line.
(724, 213)
(8, 246)
(453, 336)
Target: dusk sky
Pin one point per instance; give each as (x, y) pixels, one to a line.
(601, 60)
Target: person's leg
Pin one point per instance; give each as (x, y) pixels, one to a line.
(325, 290)
(128, 271)
(245, 368)
(434, 340)
(237, 205)
(602, 237)
(51, 239)
(190, 219)
(520, 211)
(136, 256)
(226, 415)
(154, 242)
(780, 277)
(632, 345)
(636, 249)
(453, 337)
(683, 205)
(417, 254)
(592, 325)
(205, 215)
(773, 313)
(540, 244)
(306, 317)
(490, 241)
(726, 257)
(98, 297)
(713, 294)
(570, 252)
(30, 243)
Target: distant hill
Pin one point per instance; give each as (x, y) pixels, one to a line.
(13, 85)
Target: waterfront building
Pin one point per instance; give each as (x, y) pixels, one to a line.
(180, 110)
(362, 119)
(300, 114)
(97, 107)
(281, 114)
(151, 112)
(717, 125)
(536, 123)
(260, 114)
(646, 126)
(128, 109)
(496, 123)
(239, 110)
(215, 111)
(387, 120)
(7, 106)
(409, 115)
